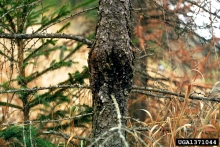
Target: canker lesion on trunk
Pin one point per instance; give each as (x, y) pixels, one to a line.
(110, 65)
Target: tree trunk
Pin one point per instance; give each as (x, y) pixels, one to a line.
(110, 65)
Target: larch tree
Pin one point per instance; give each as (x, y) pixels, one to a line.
(110, 66)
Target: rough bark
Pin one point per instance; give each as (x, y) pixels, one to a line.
(110, 65)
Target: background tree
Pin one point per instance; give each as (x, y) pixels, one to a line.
(26, 59)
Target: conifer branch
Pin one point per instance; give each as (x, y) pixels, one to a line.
(45, 35)
(10, 105)
(43, 88)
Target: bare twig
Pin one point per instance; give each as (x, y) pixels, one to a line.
(203, 8)
(119, 120)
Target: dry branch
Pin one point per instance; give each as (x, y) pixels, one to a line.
(144, 90)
